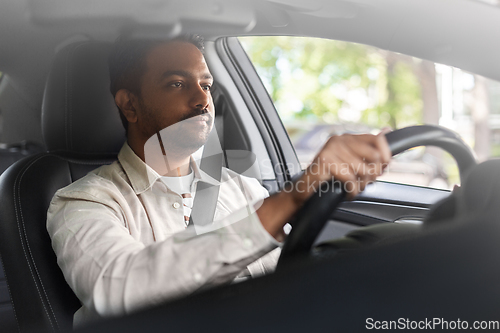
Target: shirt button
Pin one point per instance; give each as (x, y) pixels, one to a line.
(176, 205)
(248, 243)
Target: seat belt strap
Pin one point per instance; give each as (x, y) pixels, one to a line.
(205, 200)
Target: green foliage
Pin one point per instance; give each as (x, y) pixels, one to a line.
(495, 150)
(333, 81)
(403, 105)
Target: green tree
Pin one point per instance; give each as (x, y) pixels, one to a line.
(310, 78)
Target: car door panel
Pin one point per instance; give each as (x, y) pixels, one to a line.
(391, 202)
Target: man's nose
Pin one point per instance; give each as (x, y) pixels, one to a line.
(201, 98)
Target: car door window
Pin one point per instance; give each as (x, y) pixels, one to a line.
(324, 87)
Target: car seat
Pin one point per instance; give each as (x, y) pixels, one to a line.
(82, 131)
(12, 152)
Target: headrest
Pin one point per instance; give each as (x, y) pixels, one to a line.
(78, 111)
(478, 193)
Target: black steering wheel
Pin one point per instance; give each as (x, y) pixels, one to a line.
(313, 216)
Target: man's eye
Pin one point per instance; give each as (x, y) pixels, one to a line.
(207, 87)
(177, 84)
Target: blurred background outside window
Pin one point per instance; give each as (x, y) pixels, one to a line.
(322, 87)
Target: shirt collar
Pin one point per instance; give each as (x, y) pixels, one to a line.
(142, 176)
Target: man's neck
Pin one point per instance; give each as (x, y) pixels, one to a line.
(182, 170)
(168, 165)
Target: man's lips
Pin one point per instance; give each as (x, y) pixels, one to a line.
(200, 120)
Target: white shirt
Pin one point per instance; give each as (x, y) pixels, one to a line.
(182, 185)
(122, 244)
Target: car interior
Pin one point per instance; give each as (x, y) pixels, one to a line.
(349, 260)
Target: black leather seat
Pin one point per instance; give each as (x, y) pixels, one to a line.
(10, 153)
(82, 131)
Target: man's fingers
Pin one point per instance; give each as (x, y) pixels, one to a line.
(383, 147)
(350, 170)
(333, 166)
(354, 160)
(359, 152)
(350, 161)
(385, 130)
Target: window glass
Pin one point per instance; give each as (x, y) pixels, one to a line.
(323, 87)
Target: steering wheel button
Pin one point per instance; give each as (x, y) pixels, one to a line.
(176, 205)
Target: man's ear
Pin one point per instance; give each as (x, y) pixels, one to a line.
(125, 99)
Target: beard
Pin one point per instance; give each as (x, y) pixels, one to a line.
(181, 138)
(186, 136)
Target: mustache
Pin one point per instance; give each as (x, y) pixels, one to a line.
(198, 112)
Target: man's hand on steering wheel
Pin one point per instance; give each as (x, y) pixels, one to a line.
(310, 220)
(353, 160)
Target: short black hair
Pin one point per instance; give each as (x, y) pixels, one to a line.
(127, 62)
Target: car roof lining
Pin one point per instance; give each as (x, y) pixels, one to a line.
(28, 46)
(424, 33)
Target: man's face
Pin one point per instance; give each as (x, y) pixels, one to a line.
(175, 97)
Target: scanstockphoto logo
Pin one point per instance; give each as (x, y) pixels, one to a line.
(196, 137)
(431, 324)
(165, 153)
(317, 167)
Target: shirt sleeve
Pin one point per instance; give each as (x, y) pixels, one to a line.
(112, 273)
(256, 195)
